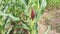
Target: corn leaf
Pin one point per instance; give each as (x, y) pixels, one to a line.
(25, 26)
(41, 11)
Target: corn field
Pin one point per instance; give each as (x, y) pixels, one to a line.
(22, 16)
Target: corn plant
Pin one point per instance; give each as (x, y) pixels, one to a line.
(18, 16)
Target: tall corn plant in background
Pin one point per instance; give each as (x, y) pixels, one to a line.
(21, 16)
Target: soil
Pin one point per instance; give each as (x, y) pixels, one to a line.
(50, 17)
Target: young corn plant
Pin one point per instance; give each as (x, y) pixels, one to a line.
(19, 16)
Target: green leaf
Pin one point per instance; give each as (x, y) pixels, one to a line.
(7, 22)
(43, 4)
(23, 2)
(40, 2)
(9, 30)
(1, 28)
(14, 18)
(2, 14)
(41, 11)
(25, 26)
(26, 1)
(6, 7)
(26, 12)
(11, 16)
(36, 28)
